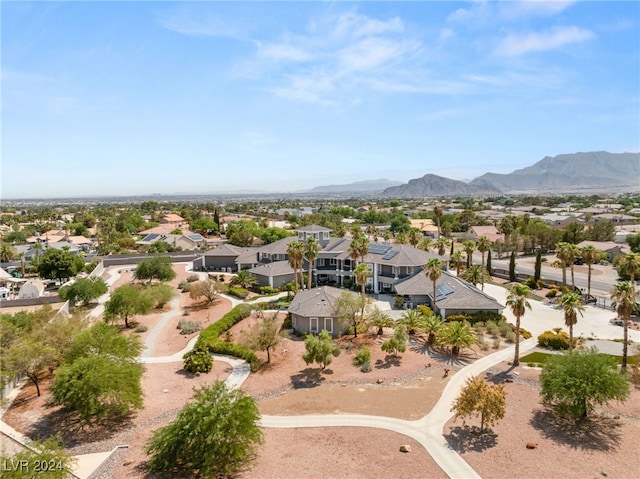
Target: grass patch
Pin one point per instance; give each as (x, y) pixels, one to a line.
(541, 358)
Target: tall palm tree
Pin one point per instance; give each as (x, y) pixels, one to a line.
(414, 236)
(625, 300)
(361, 272)
(425, 244)
(573, 253)
(442, 243)
(630, 264)
(37, 247)
(468, 247)
(483, 246)
(517, 301)
(311, 250)
(295, 252)
(359, 247)
(7, 252)
(437, 212)
(572, 305)
(563, 254)
(474, 275)
(433, 270)
(590, 255)
(456, 259)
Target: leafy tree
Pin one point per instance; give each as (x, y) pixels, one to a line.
(397, 343)
(433, 270)
(215, 435)
(625, 300)
(378, 319)
(264, 336)
(98, 387)
(574, 383)
(158, 267)
(602, 230)
(489, 269)
(455, 334)
(481, 398)
(84, 290)
(634, 242)
(126, 301)
(571, 304)
(208, 289)
(203, 225)
(241, 233)
(244, 279)
(198, 360)
(59, 264)
(273, 234)
(320, 349)
(348, 311)
(517, 301)
(311, 250)
(28, 357)
(50, 452)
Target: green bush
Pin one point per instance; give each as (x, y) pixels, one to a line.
(184, 287)
(209, 338)
(192, 278)
(496, 343)
(189, 327)
(479, 317)
(552, 293)
(366, 367)
(504, 329)
(241, 293)
(398, 301)
(524, 334)
(554, 340)
(510, 336)
(268, 290)
(362, 356)
(531, 282)
(140, 328)
(198, 361)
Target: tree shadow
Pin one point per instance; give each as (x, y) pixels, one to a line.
(591, 433)
(307, 378)
(73, 430)
(389, 361)
(469, 438)
(440, 355)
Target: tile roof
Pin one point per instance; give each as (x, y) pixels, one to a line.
(277, 268)
(317, 301)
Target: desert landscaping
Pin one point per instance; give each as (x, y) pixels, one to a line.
(404, 387)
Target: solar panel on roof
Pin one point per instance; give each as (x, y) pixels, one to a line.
(390, 255)
(379, 248)
(150, 237)
(196, 237)
(443, 290)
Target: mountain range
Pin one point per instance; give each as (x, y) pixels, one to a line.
(590, 172)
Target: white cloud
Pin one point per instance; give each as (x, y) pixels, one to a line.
(531, 8)
(208, 26)
(515, 45)
(445, 34)
(282, 52)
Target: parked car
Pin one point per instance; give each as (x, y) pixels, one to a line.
(618, 321)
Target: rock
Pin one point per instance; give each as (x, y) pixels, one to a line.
(405, 448)
(617, 416)
(532, 445)
(604, 474)
(508, 380)
(379, 381)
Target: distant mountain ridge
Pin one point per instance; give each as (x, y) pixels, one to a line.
(358, 186)
(578, 172)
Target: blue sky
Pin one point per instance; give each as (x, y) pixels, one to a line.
(123, 98)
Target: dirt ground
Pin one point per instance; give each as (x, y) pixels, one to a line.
(406, 387)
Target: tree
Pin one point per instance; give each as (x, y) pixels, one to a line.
(537, 270)
(483, 246)
(359, 248)
(564, 255)
(264, 336)
(574, 383)
(397, 343)
(457, 335)
(572, 305)
(96, 386)
(489, 268)
(441, 244)
(361, 273)
(207, 289)
(480, 397)
(7, 252)
(295, 252)
(311, 250)
(625, 300)
(241, 233)
(320, 349)
(412, 320)
(456, 259)
(60, 265)
(348, 309)
(468, 247)
(425, 244)
(55, 461)
(28, 357)
(126, 301)
(437, 213)
(433, 270)
(474, 275)
(517, 301)
(590, 256)
(159, 294)
(203, 225)
(629, 265)
(84, 290)
(214, 435)
(432, 325)
(378, 319)
(103, 340)
(512, 267)
(158, 267)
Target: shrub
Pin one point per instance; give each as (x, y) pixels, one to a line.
(496, 343)
(241, 293)
(510, 336)
(362, 356)
(531, 282)
(140, 328)
(198, 361)
(189, 327)
(552, 293)
(366, 367)
(192, 278)
(505, 329)
(184, 287)
(398, 301)
(524, 334)
(268, 290)
(554, 340)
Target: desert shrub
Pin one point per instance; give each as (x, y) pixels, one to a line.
(362, 356)
(366, 367)
(552, 293)
(554, 340)
(479, 325)
(268, 290)
(531, 282)
(189, 327)
(458, 317)
(426, 310)
(504, 329)
(496, 343)
(524, 334)
(241, 293)
(398, 301)
(160, 294)
(184, 287)
(482, 342)
(140, 328)
(197, 361)
(510, 336)
(192, 278)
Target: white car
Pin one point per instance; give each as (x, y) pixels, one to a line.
(618, 321)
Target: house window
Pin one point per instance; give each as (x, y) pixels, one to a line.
(328, 324)
(333, 262)
(313, 325)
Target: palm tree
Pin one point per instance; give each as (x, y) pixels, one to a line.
(517, 301)
(425, 244)
(413, 320)
(468, 247)
(244, 279)
(401, 238)
(456, 259)
(414, 237)
(624, 299)
(359, 247)
(572, 305)
(474, 275)
(432, 325)
(437, 212)
(311, 250)
(441, 244)
(361, 273)
(379, 319)
(630, 264)
(483, 246)
(563, 253)
(590, 255)
(7, 252)
(457, 335)
(295, 252)
(37, 247)
(433, 270)
(573, 253)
